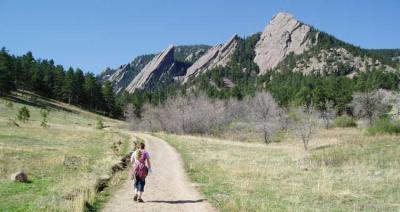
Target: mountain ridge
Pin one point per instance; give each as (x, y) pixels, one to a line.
(285, 44)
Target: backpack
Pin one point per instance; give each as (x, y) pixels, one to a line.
(140, 170)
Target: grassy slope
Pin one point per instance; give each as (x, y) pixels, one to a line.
(63, 161)
(345, 170)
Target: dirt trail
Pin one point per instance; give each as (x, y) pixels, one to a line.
(167, 188)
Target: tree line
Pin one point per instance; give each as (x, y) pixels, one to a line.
(47, 79)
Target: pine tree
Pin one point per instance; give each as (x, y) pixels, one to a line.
(109, 98)
(67, 89)
(77, 84)
(6, 81)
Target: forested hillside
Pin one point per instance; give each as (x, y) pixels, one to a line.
(47, 79)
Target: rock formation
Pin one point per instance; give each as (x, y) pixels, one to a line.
(123, 75)
(283, 35)
(217, 56)
(20, 176)
(160, 64)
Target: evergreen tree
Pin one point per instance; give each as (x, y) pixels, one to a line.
(68, 86)
(77, 86)
(109, 98)
(6, 81)
(91, 91)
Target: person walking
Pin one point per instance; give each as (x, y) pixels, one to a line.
(140, 171)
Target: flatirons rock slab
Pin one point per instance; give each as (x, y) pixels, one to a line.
(219, 55)
(283, 35)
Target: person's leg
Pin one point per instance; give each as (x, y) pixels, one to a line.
(135, 185)
(141, 190)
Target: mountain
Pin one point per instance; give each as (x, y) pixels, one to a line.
(282, 36)
(285, 45)
(219, 55)
(123, 75)
(140, 72)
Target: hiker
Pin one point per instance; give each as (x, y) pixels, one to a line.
(140, 170)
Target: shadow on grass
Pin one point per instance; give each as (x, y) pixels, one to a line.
(177, 201)
(38, 103)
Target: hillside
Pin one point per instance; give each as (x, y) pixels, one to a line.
(64, 160)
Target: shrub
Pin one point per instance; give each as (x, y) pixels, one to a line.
(383, 126)
(99, 124)
(23, 114)
(344, 121)
(44, 114)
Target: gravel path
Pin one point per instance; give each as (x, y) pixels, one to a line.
(167, 188)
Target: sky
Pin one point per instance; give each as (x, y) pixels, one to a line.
(95, 34)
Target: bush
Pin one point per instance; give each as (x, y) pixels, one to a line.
(344, 121)
(383, 126)
(99, 124)
(23, 114)
(44, 114)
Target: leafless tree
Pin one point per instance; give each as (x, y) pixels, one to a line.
(266, 114)
(327, 112)
(200, 114)
(369, 105)
(303, 123)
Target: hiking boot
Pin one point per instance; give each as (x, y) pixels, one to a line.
(140, 200)
(135, 197)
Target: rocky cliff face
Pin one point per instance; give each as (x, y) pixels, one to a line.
(217, 56)
(283, 35)
(182, 56)
(154, 69)
(123, 75)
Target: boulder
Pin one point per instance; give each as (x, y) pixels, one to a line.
(20, 177)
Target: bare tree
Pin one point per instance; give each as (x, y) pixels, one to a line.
(369, 105)
(303, 124)
(327, 112)
(266, 114)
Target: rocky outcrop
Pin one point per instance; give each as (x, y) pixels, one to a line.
(335, 60)
(123, 75)
(283, 35)
(159, 65)
(183, 57)
(190, 53)
(217, 56)
(20, 177)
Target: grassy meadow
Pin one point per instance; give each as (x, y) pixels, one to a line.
(63, 161)
(344, 170)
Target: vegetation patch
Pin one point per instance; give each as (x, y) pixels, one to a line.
(383, 126)
(344, 121)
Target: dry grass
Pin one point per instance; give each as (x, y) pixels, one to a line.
(63, 161)
(345, 170)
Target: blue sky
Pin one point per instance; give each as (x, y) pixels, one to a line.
(94, 34)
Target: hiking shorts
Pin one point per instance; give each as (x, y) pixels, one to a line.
(139, 185)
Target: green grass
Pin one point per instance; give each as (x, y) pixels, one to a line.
(385, 126)
(345, 170)
(63, 161)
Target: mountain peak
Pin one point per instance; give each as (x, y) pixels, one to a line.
(282, 16)
(282, 36)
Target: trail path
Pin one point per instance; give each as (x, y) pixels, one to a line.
(167, 188)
